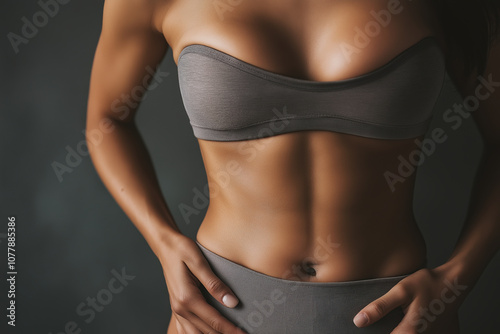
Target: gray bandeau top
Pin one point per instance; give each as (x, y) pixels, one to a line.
(227, 99)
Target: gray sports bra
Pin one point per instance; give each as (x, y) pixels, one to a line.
(227, 99)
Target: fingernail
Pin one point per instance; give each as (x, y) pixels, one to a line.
(360, 319)
(229, 301)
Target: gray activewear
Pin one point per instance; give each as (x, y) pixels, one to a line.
(227, 99)
(270, 305)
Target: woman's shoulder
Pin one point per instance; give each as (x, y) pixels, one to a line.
(138, 14)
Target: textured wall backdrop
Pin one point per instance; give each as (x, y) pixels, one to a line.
(73, 241)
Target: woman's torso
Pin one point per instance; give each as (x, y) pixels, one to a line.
(307, 199)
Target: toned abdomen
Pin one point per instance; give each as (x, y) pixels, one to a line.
(311, 199)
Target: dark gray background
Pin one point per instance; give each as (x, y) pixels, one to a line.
(72, 234)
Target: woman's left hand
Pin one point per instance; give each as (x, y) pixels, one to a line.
(430, 299)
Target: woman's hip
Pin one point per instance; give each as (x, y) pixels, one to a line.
(273, 305)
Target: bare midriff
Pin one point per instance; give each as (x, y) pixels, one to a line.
(307, 205)
(311, 206)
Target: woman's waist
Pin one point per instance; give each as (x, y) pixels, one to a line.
(322, 306)
(298, 249)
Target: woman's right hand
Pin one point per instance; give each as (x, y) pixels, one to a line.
(131, 45)
(186, 269)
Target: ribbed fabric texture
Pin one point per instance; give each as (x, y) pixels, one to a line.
(227, 99)
(270, 305)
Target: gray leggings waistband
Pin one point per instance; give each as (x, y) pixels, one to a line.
(270, 305)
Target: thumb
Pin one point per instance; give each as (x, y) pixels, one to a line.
(218, 289)
(379, 308)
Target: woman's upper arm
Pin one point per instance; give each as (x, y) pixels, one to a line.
(487, 116)
(481, 94)
(129, 49)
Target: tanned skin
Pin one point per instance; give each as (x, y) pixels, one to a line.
(293, 192)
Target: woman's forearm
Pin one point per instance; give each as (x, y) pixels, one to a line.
(479, 239)
(124, 165)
